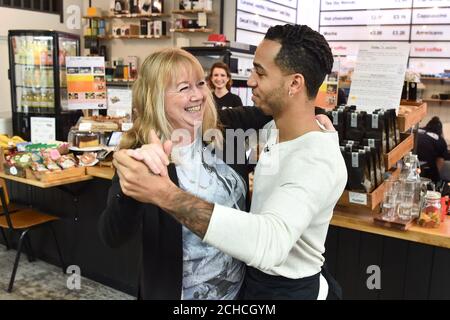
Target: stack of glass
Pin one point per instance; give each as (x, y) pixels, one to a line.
(402, 196)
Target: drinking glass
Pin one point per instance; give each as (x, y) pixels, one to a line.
(405, 204)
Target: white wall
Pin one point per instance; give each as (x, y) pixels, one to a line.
(308, 13)
(23, 19)
(143, 47)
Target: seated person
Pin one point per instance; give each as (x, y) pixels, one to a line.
(432, 149)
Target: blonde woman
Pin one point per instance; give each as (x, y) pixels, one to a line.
(171, 97)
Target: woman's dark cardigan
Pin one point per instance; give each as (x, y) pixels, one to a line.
(162, 246)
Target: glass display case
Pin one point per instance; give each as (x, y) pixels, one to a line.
(37, 74)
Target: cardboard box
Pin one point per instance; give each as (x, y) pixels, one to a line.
(134, 30)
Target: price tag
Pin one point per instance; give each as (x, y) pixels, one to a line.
(374, 121)
(354, 120)
(335, 117)
(357, 198)
(85, 126)
(127, 126)
(355, 158)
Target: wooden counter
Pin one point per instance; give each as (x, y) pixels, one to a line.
(45, 185)
(100, 172)
(360, 221)
(439, 237)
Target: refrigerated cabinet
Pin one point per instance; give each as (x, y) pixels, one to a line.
(37, 75)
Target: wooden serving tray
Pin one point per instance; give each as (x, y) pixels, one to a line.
(51, 176)
(395, 224)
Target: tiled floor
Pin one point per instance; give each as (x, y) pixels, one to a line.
(40, 280)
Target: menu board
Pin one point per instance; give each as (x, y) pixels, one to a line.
(338, 5)
(327, 96)
(86, 85)
(379, 75)
(425, 24)
(254, 17)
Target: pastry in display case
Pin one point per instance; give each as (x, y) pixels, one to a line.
(85, 140)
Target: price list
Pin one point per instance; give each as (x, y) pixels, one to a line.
(425, 24)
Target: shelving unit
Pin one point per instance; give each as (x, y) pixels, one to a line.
(190, 14)
(129, 16)
(204, 30)
(192, 11)
(440, 101)
(409, 116)
(133, 37)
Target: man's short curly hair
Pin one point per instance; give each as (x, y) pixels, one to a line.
(303, 51)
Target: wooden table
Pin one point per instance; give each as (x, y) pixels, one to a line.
(100, 172)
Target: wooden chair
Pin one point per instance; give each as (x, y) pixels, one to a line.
(12, 207)
(23, 220)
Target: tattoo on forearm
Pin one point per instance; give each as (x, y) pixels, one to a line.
(190, 211)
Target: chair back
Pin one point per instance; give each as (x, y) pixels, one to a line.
(4, 203)
(3, 185)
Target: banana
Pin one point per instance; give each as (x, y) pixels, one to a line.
(17, 139)
(4, 138)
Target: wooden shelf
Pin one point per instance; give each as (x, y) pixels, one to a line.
(365, 202)
(205, 30)
(402, 149)
(120, 83)
(410, 115)
(431, 78)
(130, 16)
(133, 37)
(437, 100)
(192, 11)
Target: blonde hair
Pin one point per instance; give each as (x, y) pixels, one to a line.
(156, 73)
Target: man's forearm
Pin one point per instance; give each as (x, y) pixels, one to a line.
(189, 210)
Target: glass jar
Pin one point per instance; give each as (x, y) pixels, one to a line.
(430, 215)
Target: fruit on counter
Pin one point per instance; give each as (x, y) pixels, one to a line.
(7, 142)
(429, 217)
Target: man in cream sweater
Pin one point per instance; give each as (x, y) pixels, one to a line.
(282, 238)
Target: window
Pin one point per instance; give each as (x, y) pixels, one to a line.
(46, 6)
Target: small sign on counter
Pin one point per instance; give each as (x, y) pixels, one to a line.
(43, 129)
(357, 198)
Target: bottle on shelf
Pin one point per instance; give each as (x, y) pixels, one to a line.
(37, 77)
(49, 78)
(24, 98)
(51, 99)
(43, 78)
